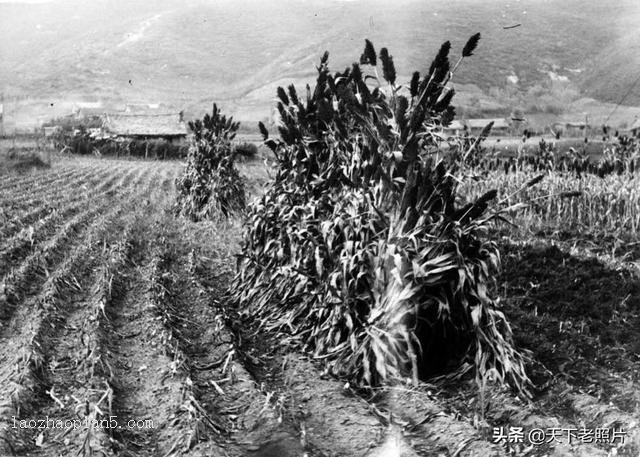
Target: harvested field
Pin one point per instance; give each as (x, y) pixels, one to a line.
(112, 310)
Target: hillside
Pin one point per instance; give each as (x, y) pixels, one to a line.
(190, 53)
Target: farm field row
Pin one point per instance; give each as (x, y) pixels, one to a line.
(112, 339)
(113, 314)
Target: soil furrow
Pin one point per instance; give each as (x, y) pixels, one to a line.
(41, 188)
(11, 180)
(41, 342)
(146, 377)
(84, 376)
(150, 381)
(49, 176)
(333, 420)
(417, 418)
(20, 245)
(21, 219)
(28, 347)
(76, 368)
(251, 417)
(31, 197)
(25, 279)
(80, 375)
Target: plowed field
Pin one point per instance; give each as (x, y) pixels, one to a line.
(115, 341)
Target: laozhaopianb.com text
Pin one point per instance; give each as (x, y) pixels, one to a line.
(111, 422)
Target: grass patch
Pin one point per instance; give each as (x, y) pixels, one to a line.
(22, 161)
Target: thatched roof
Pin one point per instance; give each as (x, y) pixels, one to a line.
(455, 125)
(635, 125)
(498, 123)
(145, 125)
(50, 131)
(86, 113)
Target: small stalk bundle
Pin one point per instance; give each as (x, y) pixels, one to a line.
(362, 248)
(211, 186)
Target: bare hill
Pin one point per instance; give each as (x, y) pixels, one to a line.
(190, 53)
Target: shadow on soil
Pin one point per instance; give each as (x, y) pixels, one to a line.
(579, 318)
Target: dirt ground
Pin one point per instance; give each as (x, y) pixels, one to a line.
(116, 340)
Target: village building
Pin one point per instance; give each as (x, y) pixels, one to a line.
(455, 128)
(518, 125)
(143, 108)
(500, 126)
(50, 131)
(88, 110)
(475, 126)
(169, 127)
(635, 128)
(576, 128)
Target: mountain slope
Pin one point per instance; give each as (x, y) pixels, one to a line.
(190, 53)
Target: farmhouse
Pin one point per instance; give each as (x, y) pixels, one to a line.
(575, 128)
(475, 126)
(142, 108)
(635, 128)
(51, 131)
(88, 110)
(168, 127)
(455, 128)
(500, 126)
